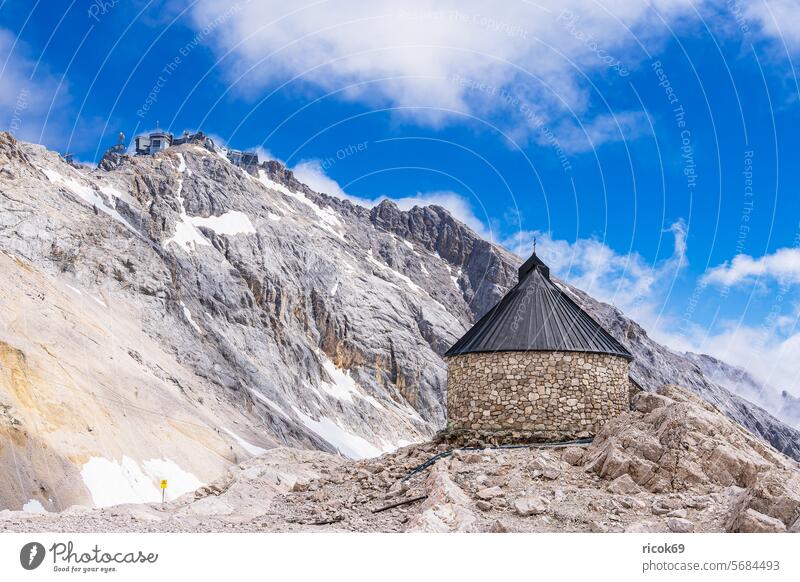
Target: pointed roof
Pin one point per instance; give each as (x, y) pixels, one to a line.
(536, 315)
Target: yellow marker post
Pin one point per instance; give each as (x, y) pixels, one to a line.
(163, 490)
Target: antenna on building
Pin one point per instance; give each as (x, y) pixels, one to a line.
(534, 245)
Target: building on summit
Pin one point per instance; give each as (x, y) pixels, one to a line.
(151, 143)
(536, 364)
(158, 140)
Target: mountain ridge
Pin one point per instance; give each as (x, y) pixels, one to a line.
(250, 308)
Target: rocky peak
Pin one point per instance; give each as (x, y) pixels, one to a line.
(281, 174)
(483, 271)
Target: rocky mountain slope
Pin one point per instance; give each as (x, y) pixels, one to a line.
(167, 317)
(672, 464)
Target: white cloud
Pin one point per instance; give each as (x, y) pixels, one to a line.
(783, 266)
(311, 173)
(602, 129)
(25, 97)
(439, 56)
(775, 19)
(626, 280)
(524, 66)
(769, 350)
(263, 154)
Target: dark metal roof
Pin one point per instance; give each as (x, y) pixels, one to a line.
(536, 315)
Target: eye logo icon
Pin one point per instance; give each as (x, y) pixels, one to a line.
(31, 555)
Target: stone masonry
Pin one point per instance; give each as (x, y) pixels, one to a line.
(556, 395)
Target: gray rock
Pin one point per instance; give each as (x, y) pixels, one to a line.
(623, 485)
(467, 457)
(647, 401)
(698, 502)
(573, 455)
(490, 493)
(300, 485)
(659, 507)
(551, 474)
(598, 527)
(680, 525)
(752, 521)
(530, 505)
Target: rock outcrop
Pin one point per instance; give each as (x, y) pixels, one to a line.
(678, 443)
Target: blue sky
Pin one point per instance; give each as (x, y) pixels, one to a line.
(652, 147)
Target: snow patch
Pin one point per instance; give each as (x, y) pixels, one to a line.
(188, 315)
(186, 234)
(249, 447)
(327, 219)
(182, 163)
(348, 444)
(455, 278)
(99, 301)
(274, 217)
(112, 192)
(231, 223)
(343, 387)
(272, 185)
(73, 289)
(88, 195)
(111, 482)
(335, 288)
(34, 506)
(178, 480)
